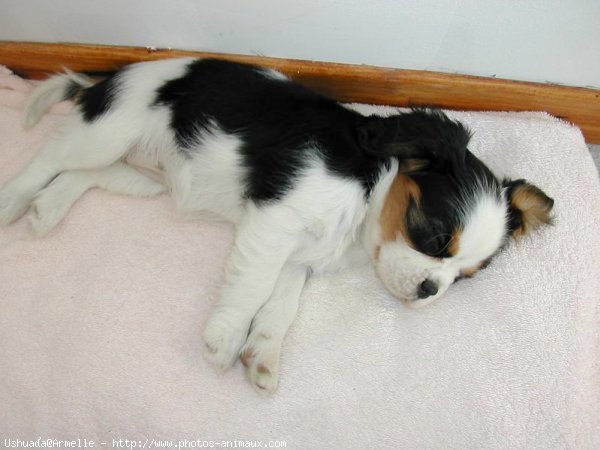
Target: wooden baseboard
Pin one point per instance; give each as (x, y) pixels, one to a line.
(348, 83)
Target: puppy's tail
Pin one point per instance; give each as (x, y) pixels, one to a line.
(55, 89)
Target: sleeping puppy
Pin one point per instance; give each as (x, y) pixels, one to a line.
(311, 186)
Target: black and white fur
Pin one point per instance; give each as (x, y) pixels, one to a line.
(303, 178)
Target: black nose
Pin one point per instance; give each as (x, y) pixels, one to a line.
(426, 289)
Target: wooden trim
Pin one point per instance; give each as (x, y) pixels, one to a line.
(348, 83)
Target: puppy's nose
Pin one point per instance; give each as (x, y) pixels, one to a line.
(426, 289)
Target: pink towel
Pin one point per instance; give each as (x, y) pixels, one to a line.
(101, 323)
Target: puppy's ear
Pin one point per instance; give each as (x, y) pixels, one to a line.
(529, 207)
(378, 136)
(423, 134)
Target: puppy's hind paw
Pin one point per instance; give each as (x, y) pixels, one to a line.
(261, 358)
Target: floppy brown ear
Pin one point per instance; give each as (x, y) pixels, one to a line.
(529, 207)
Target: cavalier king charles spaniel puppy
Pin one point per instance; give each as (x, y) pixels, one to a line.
(310, 185)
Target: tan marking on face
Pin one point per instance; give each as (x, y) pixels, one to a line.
(454, 244)
(535, 207)
(393, 213)
(470, 271)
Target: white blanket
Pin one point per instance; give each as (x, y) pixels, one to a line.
(100, 324)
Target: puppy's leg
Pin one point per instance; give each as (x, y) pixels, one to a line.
(81, 146)
(52, 203)
(261, 351)
(260, 251)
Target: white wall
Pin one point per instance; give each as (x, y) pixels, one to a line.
(537, 40)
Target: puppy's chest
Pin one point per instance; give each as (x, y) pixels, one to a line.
(331, 242)
(326, 213)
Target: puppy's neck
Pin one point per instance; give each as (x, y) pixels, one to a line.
(371, 233)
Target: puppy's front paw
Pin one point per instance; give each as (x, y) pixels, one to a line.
(260, 355)
(223, 340)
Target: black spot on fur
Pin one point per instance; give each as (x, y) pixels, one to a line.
(282, 125)
(97, 99)
(431, 222)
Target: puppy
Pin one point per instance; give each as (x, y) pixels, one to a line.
(311, 186)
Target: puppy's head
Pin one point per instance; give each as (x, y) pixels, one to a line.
(443, 214)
